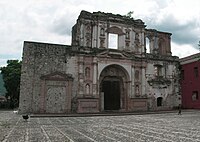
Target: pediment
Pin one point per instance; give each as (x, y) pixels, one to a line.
(57, 76)
(127, 54)
(114, 54)
(103, 54)
(115, 30)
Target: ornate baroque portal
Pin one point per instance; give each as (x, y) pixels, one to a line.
(56, 93)
(113, 88)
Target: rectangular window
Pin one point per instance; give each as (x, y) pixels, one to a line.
(113, 41)
(182, 74)
(195, 95)
(196, 72)
(158, 70)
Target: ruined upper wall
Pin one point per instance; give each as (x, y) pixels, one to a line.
(93, 30)
(159, 42)
(116, 18)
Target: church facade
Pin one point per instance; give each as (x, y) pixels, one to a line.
(90, 76)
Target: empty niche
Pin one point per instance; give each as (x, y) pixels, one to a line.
(87, 89)
(87, 72)
(137, 75)
(102, 32)
(137, 90)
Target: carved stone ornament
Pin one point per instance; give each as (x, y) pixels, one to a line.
(57, 76)
(159, 82)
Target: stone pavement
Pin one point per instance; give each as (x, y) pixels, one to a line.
(163, 127)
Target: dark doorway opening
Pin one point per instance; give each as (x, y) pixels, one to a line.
(159, 101)
(111, 91)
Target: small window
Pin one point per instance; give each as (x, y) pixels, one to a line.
(196, 72)
(159, 101)
(147, 45)
(182, 74)
(158, 70)
(127, 35)
(195, 95)
(113, 41)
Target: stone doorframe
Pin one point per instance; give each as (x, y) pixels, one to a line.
(67, 80)
(115, 72)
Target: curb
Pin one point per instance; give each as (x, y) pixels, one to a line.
(107, 114)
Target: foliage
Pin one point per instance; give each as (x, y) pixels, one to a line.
(11, 76)
(2, 88)
(129, 14)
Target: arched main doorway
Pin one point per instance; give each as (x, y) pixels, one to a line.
(113, 88)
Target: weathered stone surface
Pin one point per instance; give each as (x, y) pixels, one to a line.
(56, 77)
(168, 127)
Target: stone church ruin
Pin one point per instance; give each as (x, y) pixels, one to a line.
(138, 74)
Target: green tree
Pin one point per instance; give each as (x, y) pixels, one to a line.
(199, 44)
(11, 76)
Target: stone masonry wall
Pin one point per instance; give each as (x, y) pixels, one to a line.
(41, 59)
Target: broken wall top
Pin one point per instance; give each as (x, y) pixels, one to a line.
(117, 18)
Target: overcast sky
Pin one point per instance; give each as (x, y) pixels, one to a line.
(51, 21)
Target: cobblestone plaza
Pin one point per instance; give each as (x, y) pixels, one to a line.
(163, 127)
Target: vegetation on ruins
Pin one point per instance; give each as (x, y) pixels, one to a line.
(11, 76)
(129, 14)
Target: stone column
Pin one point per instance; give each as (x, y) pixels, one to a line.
(94, 37)
(81, 75)
(102, 101)
(121, 42)
(132, 92)
(82, 35)
(42, 98)
(69, 95)
(94, 76)
(143, 87)
(142, 41)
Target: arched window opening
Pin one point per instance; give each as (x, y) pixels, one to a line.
(158, 70)
(113, 41)
(127, 35)
(147, 45)
(159, 101)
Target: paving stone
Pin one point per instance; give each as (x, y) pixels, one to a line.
(168, 127)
